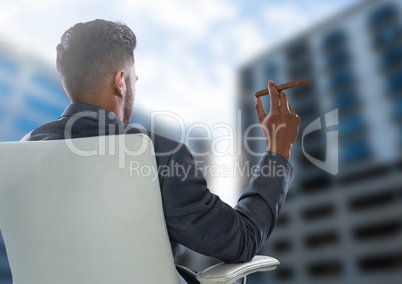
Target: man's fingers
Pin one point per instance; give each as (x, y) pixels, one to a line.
(260, 109)
(283, 102)
(292, 112)
(274, 97)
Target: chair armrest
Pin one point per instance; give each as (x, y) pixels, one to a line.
(230, 272)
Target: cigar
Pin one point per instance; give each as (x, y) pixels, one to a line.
(285, 86)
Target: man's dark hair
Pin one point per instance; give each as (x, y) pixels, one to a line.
(89, 53)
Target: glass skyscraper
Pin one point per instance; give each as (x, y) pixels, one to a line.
(343, 228)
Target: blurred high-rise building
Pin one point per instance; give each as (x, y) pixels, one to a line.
(30, 95)
(344, 227)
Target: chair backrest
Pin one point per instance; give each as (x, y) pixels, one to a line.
(86, 210)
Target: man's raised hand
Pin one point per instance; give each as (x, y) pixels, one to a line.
(281, 125)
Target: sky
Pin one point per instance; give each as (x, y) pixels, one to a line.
(188, 52)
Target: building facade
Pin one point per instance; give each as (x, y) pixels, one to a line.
(344, 226)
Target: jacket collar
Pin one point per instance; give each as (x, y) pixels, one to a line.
(90, 112)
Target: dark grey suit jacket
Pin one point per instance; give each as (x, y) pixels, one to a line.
(195, 217)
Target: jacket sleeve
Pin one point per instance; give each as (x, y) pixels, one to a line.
(199, 220)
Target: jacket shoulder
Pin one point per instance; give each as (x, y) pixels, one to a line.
(48, 131)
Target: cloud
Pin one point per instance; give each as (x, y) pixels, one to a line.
(245, 39)
(180, 71)
(193, 19)
(285, 20)
(181, 85)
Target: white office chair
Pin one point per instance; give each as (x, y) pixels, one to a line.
(75, 211)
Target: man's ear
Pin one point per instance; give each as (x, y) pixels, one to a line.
(118, 82)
